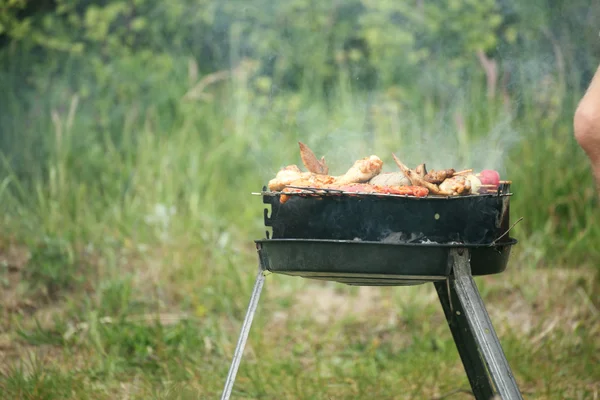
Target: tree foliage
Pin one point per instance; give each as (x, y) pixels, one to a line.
(377, 42)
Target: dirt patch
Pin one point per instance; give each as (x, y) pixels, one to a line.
(538, 302)
(325, 303)
(530, 302)
(13, 259)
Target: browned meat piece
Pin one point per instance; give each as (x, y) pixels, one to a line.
(456, 185)
(285, 176)
(311, 162)
(362, 171)
(313, 181)
(421, 170)
(417, 191)
(416, 180)
(438, 177)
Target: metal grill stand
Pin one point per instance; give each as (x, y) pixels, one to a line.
(475, 338)
(478, 345)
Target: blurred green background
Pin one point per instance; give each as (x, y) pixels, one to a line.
(132, 134)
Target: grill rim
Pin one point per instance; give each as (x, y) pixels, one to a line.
(510, 241)
(503, 191)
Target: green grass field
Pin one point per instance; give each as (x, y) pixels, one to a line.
(128, 259)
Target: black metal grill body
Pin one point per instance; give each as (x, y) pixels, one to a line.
(473, 219)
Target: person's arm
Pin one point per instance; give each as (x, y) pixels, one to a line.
(586, 124)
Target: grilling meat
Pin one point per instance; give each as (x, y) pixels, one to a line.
(369, 188)
(313, 181)
(390, 179)
(416, 191)
(437, 177)
(292, 173)
(450, 186)
(304, 179)
(416, 180)
(456, 185)
(365, 177)
(421, 170)
(362, 171)
(311, 162)
(286, 176)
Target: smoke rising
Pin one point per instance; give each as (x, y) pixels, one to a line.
(438, 117)
(458, 137)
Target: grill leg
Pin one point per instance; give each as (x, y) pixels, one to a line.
(476, 340)
(239, 350)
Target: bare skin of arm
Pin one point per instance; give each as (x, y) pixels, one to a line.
(586, 124)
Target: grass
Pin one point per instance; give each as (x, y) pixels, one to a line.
(309, 340)
(127, 254)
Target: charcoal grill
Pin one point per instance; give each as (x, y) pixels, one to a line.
(369, 239)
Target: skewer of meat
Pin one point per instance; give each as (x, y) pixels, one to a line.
(463, 172)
